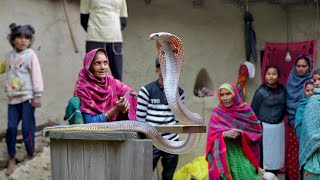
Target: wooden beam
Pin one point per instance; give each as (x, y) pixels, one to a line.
(38, 129)
(182, 129)
(93, 135)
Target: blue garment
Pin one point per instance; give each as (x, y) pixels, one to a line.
(295, 92)
(88, 118)
(301, 106)
(25, 112)
(310, 131)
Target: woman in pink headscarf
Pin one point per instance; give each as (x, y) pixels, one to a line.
(102, 97)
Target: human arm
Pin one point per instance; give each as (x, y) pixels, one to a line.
(142, 107)
(84, 13)
(256, 102)
(123, 21)
(123, 15)
(121, 106)
(298, 121)
(37, 81)
(88, 118)
(84, 19)
(122, 90)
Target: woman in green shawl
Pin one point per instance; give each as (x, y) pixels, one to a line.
(301, 106)
(309, 134)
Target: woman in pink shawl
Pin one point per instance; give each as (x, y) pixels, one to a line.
(102, 97)
(234, 138)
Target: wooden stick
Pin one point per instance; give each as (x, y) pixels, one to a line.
(75, 47)
(38, 129)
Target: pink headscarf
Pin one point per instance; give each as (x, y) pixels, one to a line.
(98, 96)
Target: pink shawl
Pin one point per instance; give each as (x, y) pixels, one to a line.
(98, 96)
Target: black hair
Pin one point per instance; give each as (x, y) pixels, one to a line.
(274, 67)
(20, 30)
(306, 58)
(317, 71)
(157, 63)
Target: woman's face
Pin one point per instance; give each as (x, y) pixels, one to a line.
(302, 67)
(316, 80)
(272, 76)
(309, 90)
(226, 98)
(100, 65)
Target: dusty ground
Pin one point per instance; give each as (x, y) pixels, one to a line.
(39, 168)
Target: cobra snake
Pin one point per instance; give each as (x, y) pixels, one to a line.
(171, 58)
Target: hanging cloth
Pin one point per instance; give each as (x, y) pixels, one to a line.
(246, 70)
(250, 37)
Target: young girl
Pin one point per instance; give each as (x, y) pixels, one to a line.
(269, 105)
(24, 87)
(308, 92)
(309, 141)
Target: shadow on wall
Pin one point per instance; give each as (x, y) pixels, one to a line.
(203, 85)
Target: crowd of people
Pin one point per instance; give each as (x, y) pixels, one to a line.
(238, 130)
(244, 141)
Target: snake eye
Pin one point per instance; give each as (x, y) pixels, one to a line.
(162, 52)
(175, 50)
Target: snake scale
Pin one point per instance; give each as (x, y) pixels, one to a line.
(171, 58)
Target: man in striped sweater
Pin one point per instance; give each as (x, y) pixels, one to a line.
(153, 108)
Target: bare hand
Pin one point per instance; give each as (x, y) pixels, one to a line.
(233, 133)
(122, 105)
(36, 102)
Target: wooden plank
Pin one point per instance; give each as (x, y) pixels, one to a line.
(75, 159)
(182, 129)
(59, 159)
(102, 159)
(144, 158)
(95, 160)
(94, 135)
(113, 169)
(135, 159)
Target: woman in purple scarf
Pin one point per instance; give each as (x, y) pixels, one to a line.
(102, 97)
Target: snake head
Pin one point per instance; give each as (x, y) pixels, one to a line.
(160, 36)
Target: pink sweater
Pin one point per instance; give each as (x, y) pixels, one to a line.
(23, 76)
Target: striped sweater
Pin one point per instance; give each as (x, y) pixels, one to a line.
(153, 108)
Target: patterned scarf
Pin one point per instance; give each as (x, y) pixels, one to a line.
(310, 128)
(97, 96)
(295, 91)
(240, 116)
